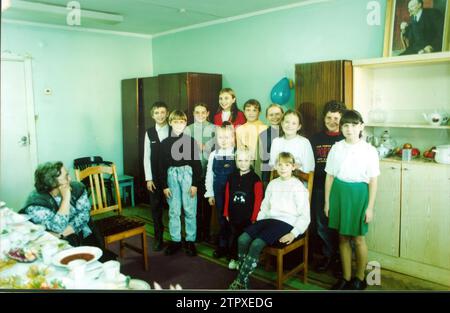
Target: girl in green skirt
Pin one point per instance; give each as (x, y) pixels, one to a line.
(350, 187)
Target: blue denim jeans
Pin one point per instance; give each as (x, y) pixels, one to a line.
(179, 181)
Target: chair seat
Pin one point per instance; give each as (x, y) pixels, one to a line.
(279, 245)
(117, 224)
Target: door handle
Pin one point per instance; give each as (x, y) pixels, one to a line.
(23, 141)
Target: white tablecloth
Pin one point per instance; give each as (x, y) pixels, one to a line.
(14, 232)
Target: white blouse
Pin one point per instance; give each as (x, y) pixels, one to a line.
(299, 146)
(353, 162)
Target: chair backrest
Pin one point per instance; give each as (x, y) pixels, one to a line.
(305, 177)
(95, 176)
(84, 162)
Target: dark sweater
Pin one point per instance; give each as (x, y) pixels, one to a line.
(44, 199)
(154, 156)
(180, 151)
(321, 143)
(243, 197)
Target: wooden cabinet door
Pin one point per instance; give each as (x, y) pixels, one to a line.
(172, 90)
(318, 83)
(203, 88)
(425, 216)
(384, 230)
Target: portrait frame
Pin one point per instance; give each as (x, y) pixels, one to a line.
(397, 12)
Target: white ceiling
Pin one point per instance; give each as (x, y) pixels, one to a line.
(144, 16)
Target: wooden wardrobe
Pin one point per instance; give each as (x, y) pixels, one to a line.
(316, 84)
(180, 91)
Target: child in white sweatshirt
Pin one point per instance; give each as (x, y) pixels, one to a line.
(284, 215)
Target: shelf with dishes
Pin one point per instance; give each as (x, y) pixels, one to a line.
(404, 91)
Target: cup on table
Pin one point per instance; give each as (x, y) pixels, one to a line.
(111, 270)
(48, 251)
(77, 270)
(406, 154)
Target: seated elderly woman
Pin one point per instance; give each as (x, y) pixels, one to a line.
(63, 207)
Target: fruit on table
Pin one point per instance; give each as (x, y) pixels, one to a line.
(414, 151)
(429, 153)
(407, 146)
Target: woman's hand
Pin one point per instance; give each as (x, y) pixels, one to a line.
(68, 231)
(369, 216)
(193, 191)
(211, 201)
(167, 193)
(287, 239)
(64, 190)
(151, 186)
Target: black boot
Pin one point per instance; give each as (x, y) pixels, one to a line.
(172, 247)
(342, 284)
(356, 284)
(157, 242)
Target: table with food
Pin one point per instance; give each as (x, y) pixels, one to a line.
(32, 258)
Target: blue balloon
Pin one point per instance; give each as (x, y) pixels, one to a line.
(281, 92)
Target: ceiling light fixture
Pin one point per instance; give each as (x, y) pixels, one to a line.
(102, 17)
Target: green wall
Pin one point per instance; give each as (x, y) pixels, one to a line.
(254, 53)
(82, 117)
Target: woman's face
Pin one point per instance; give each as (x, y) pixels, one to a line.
(226, 100)
(332, 120)
(63, 178)
(290, 125)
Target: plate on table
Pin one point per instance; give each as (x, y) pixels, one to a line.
(87, 253)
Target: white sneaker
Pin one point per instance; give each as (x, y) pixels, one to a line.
(233, 265)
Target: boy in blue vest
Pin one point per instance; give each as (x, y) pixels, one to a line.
(152, 146)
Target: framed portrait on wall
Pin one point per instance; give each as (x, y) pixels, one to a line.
(416, 27)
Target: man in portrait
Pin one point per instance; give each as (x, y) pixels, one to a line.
(424, 31)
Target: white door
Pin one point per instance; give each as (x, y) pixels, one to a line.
(18, 154)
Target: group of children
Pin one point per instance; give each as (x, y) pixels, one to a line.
(229, 164)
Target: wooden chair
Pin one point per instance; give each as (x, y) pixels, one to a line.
(116, 227)
(301, 242)
(85, 162)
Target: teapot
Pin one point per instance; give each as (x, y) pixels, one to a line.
(436, 118)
